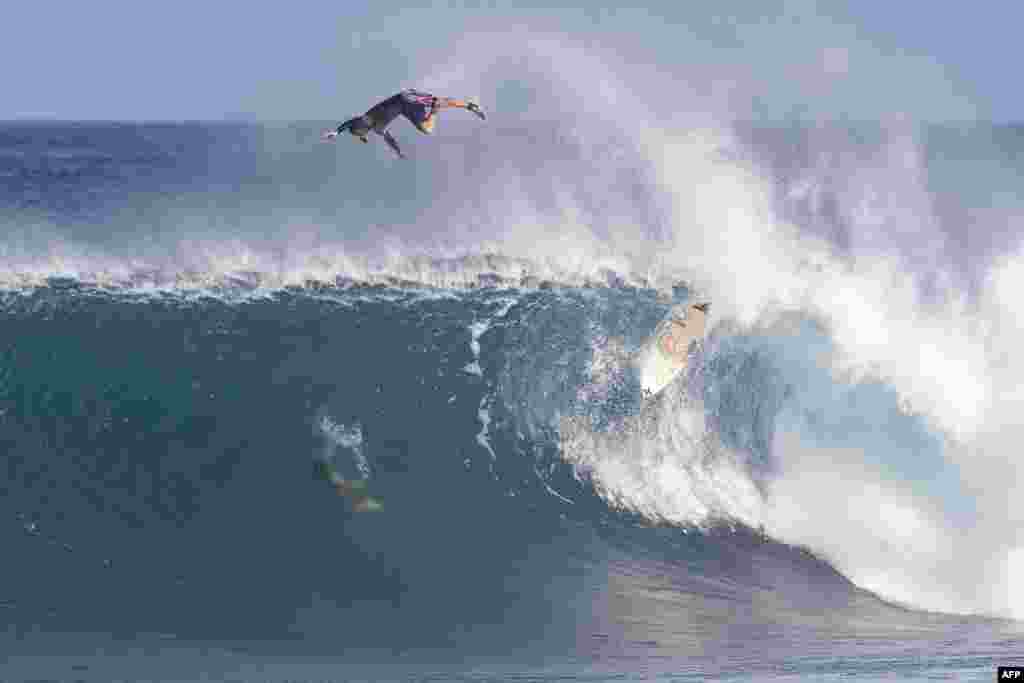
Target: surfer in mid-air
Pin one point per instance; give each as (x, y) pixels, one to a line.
(420, 108)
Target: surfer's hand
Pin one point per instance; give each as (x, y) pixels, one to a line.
(475, 108)
(329, 135)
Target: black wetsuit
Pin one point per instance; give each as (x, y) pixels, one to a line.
(414, 105)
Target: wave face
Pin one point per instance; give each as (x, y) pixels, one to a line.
(160, 455)
(195, 315)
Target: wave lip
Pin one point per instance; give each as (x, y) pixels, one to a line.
(473, 271)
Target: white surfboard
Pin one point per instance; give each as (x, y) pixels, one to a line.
(667, 353)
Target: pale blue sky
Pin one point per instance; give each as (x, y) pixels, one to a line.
(319, 59)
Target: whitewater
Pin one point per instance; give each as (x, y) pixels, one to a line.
(193, 315)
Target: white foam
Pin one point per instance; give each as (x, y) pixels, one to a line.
(476, 330)
(483, 414)
(664, 466)
(349, 437)
(605, 368)
(952, 359)
(247, 271)
(940, 355)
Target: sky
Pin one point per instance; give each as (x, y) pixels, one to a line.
(323, 59)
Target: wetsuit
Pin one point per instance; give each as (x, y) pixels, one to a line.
(415, 105)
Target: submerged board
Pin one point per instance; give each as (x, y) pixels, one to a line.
(667, 353)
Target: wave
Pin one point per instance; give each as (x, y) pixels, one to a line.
(247, 272)
(859, 389)
(538, 384)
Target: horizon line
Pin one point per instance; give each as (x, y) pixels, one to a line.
(291, 121)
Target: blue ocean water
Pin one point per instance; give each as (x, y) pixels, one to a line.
(195, 315)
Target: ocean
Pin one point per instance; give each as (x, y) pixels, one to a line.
(195, 315)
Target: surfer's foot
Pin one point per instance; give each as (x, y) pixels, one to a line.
(475, 108)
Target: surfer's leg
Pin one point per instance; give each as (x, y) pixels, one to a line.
(421, 114)
(425, 122)
(426, 126)
(419, 107)
(451, 102)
